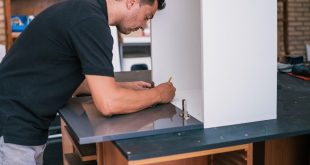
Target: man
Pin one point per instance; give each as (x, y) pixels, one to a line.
(64, 45)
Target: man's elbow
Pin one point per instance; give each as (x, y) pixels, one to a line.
(109, 108)
(105, 111)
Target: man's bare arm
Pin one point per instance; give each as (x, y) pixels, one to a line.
(112, 99)
(136, 85)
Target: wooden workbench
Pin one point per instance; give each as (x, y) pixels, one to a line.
(208, 145)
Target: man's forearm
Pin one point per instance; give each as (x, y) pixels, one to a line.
(127, 100)
(112, 99)
(84, 88)
(123, 85)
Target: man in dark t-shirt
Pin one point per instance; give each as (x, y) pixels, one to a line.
(69, 45)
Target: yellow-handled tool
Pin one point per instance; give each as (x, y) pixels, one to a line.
(170, 78)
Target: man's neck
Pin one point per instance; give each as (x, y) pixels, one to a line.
(113, 13)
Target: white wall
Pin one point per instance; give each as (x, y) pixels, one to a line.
(239, 56)
(116, 55)
(176, 51)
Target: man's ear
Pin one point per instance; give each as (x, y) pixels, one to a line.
(131, 3)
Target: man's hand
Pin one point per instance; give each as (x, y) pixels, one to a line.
(135, 85)
(166, 92)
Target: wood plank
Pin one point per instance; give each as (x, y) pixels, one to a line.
(202, 160)
(30, 7)
(74, 159)
(99, 151)
(8, 27)
(67, 146)
(111, 155)
(231, 158)
(80, 149)
(287, 151)
(189, 155)
(249, 156)
(309, 157)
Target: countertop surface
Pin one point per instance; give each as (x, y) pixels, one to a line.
(87, 125)
(293, 119)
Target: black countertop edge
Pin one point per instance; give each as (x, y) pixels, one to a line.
(72, 134)
(246, 140)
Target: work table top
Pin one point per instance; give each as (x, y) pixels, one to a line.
(293, 119)
(293, 111)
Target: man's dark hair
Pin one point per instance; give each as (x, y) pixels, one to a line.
(161, 3)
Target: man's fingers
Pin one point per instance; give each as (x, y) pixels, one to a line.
(145, 84)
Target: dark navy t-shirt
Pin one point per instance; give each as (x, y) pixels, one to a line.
(48, 62)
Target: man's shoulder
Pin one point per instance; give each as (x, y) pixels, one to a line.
(74, 12)
(89, 9)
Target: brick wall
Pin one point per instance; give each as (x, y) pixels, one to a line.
(298, 27)
(281, 51)
(2, 23)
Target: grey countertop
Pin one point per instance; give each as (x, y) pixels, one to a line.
(293, 119)
(87, 125)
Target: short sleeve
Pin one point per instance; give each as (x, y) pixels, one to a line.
(93, 43)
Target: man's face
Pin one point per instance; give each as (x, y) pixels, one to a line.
(137, 16)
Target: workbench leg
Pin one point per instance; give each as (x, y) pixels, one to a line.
(111, 155)
(67, 146)
(249, 152)
(211, 160)
(99, 153)
(287, 151)
(309, 156)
